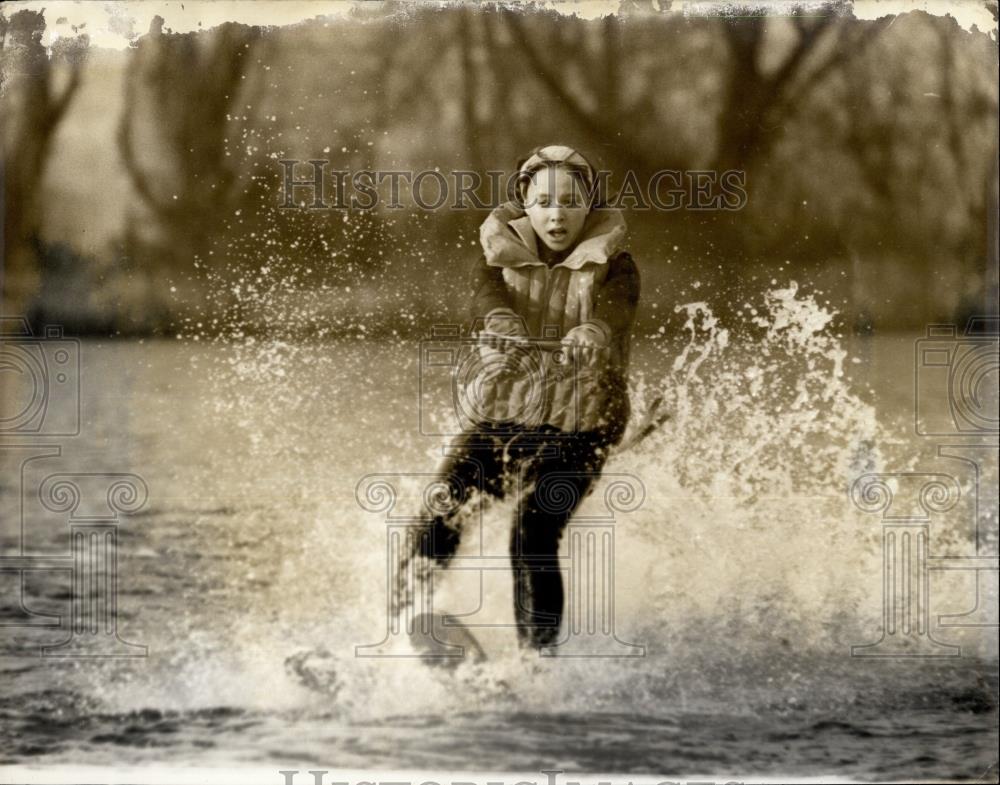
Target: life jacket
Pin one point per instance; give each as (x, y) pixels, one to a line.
(561, 296)
(552, 301)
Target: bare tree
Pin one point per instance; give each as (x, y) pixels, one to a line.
(180, 92)
(554, 57)
(992, 273)
(756, 99)
(36, 88)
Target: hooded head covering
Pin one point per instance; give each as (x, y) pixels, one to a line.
(554, 155)
(508, 239)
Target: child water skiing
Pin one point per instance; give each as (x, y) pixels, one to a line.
(553, 266)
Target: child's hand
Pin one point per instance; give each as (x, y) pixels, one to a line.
(595, 334)
(503, 321)
(499, 325)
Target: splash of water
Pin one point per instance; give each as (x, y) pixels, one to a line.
(747, 569)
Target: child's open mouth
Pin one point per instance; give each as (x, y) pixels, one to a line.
(557, 234)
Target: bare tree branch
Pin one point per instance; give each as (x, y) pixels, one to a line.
(74, 53)
(808, 36)
(628, 151)
(851, 43)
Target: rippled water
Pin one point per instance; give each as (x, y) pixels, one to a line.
(747, 573)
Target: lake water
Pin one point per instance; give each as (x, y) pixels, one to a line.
(746, 573)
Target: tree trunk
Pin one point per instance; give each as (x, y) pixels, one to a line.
(32, 111)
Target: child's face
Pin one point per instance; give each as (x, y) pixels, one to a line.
(556, 205)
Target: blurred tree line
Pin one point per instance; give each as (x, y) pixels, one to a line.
(36, 88)
(869, 147)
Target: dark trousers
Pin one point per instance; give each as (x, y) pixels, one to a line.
(550, 472)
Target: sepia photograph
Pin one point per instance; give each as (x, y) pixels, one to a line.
(542, 392)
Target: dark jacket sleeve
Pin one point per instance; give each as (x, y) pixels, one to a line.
(618, 297)
(488, 289)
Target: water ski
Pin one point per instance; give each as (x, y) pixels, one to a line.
(442, 640)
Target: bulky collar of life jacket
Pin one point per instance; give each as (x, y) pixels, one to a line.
(559, 298)
(509, 241)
